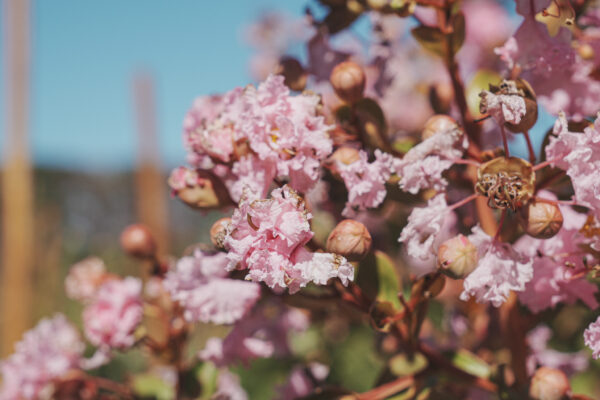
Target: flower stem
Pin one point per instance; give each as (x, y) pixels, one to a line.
(529, 147)
(388, 389)
(545, 163)
(463, 202)
(466, 162)
(504, 141)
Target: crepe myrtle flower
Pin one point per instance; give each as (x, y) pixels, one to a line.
(497, 268)
(200, 284)
(266, 237)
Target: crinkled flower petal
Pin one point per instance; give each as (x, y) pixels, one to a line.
(501, 269)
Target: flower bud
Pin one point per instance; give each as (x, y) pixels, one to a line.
(549, 384)
(218, 232)
(294, 74)
(197, 189)
(438, 123)
(350, 239)
(137, 241)
(457, 257)
(540, 219)
(348, 80)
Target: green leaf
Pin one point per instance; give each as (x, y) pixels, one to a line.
(434, 40)
(371, 120)
(207, 376)
(481, 81)
(388, 279)
(403, 145)
(355, 364)
(470, 363)
(431, 39)
(149, 385)
(402, 365)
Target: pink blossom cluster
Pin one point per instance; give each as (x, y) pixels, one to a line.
(267, 238)
(261, 334)
(200, 284)
(45, 353)
(249, 137)
(112, 316)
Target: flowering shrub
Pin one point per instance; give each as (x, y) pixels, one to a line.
(377, 187)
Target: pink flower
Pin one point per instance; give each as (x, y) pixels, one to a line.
(210, 128)
(422, 166)
(365, 181)
(579, 155)
(424, 225)
(45, 353)
(560, 78)
(110, 320)
(261, 334)
(504, 107)
(591, 337)
(557, 261)
(301, 381)
(228, 387)
(183, 177)
(200, 285)
(286, 130)
(84, 278)
(250, 177)
(501, 269)
(267, 238)
(543, 356)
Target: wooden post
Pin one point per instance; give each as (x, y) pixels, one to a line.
(151, 186)
(17, 181)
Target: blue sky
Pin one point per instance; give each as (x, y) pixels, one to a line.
(85, 54)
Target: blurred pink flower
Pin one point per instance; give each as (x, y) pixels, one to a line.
(200, 285)
(365, 181)
(541, 355)
(561, 79)
(110, 320)
(501, 269)
(228, 387)
(267, 238)
(301, 381)
(262, 334)
(591, 338)
(84, 278)
(45, 353)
